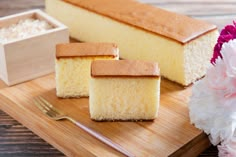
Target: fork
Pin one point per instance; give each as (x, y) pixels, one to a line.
(52, 112)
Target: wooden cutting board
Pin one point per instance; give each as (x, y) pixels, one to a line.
(171, 134)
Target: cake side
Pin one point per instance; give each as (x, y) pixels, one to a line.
(73, 74)
(118, 98)
(86, 49)
(158, 21)
(131, 68)
(197, 55)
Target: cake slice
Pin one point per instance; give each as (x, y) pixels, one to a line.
(73, 62)
(181, 45)
(124, 90)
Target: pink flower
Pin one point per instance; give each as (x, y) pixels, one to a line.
(213, 103)
(222, 76)
(227, 34)
(227, 149)
(223, 152)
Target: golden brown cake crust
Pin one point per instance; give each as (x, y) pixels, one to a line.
(121, 120)
(155, 20)
(86, 49)
(129, 68)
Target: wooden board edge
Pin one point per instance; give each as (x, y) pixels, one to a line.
(194, 147)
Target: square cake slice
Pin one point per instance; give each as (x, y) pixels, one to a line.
(181, 45)
(73, 62)
(124, 90)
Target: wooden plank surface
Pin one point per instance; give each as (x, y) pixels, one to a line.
(17, 140)
(218, 12)
(171, 134)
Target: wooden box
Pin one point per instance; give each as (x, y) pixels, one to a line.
(33, 56)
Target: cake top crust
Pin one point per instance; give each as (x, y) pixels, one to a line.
(128, 68)
(86, 50)
(174, 26)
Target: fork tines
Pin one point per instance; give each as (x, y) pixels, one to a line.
(46, 107)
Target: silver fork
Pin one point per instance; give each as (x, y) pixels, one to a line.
(48, 109)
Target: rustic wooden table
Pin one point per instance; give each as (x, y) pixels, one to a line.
(16, 140)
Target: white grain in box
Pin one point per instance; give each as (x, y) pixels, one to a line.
(33, 56)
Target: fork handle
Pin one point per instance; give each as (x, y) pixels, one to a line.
(102, 138)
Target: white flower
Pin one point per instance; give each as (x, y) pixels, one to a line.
(212, 106)
(216, 75)
(228, 52)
